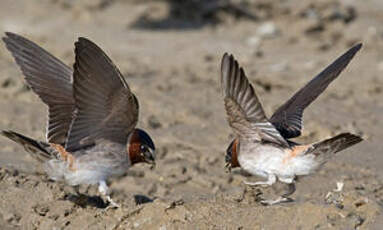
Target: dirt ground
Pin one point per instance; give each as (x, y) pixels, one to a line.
(169, 52)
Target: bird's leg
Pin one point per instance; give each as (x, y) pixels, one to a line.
(103, 189)
(282, 199)
(291, 189)
(270, 181)
(76, 189)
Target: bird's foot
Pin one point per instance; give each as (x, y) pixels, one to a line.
(280, 200)
(258, 183)
(112, 204)
(271, 179)
(104, 191)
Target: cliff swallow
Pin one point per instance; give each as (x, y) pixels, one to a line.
(262, 146)
(91, 134)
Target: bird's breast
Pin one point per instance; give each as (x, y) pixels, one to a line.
(260, 159)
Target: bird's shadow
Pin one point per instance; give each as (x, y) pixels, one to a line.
(84, 201)
(142, 199)
(187, 15)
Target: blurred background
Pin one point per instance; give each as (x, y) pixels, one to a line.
(170, 51)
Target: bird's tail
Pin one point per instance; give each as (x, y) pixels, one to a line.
(38, 149)
(325, 149)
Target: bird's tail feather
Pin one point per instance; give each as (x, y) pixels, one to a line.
(328, 147)
(38, 150)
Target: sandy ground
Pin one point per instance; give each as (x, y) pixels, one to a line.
(171, 62)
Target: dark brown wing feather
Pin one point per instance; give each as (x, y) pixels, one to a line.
(245, 112)
(50, 79)
(105, 107)
(288, 118)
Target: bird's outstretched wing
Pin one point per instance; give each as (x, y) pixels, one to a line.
(106, 109)
(245, 112)
(288, 118)
(50, 79)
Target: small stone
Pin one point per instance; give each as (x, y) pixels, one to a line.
(357, 219)
(254, 41)
(268, 30)
(361, 202)
(236, 194)
(135, 173)
(314, 26)
(41, 210)
(209, 57)
(339, 186)
(12, 218)
(259, 53)
(279, 67)
(153, 122)
(8, 83)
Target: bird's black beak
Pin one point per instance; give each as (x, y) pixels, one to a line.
(152, 165)
(150, 158)
(228, 167)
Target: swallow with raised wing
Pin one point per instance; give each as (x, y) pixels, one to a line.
(262, 146)
(91, 132)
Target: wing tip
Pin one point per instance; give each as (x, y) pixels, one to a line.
(80, 44)
(230, 70)
(87, 46)
(9, 35)
(355, 137)
(358, 46)
(227, 64)
(225, 61)
(83, 42)
(354, 49)
(6, 132)
(9, 134)
(13, 38)
(5, 38)
(10, 38)
(226, 55)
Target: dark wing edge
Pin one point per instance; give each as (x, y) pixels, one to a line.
(105, 107)
(49, 78)
(288, 117)
(244, 110)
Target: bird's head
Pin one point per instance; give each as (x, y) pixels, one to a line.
(141, 148)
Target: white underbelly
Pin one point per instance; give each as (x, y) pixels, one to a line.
(83, 173)
(265, 160)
